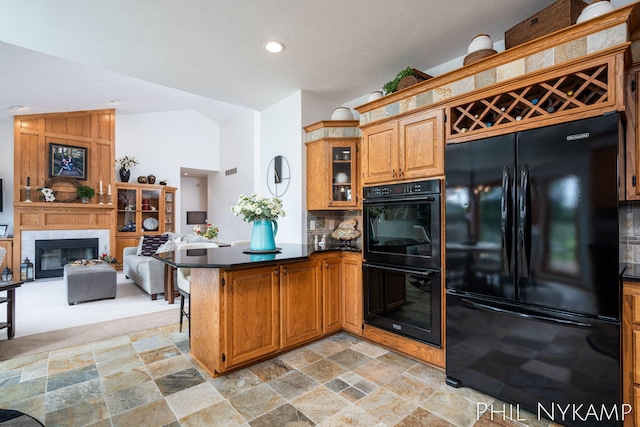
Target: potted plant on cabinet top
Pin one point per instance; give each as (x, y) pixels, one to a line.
(85, 192)
(405, 78)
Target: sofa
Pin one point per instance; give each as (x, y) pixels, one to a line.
(148, 272)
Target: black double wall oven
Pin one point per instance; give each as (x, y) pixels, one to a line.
(401, 272)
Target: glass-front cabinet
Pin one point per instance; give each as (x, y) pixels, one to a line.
(332, 170)
(169, 209)
(142, 209)
(343, 174)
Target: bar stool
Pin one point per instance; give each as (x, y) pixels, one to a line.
(184, 279)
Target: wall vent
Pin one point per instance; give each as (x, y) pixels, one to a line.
(230, 171)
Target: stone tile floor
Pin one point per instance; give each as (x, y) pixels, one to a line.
(149, 379)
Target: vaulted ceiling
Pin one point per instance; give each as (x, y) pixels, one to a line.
(208, 55)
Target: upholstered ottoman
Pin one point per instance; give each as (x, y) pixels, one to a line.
(89, 282)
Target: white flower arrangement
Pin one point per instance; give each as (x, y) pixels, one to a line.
(256, 207)
(49, 194)
(127, 162)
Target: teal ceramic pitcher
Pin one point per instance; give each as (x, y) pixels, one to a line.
(263, 235)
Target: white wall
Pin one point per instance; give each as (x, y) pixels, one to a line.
(165, 142)
(193, 196)
(237, 147)
(281, 134)
(6, 173)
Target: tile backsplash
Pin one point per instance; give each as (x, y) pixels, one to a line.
(327, 221)
(630, 232)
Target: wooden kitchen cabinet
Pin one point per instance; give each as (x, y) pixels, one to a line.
(331, 266)
(408, 148)
(351, 293)
(629, 155)
(243, 315)
(631, 350)
(267, 309)
(300, 303)
(332, 172)
(251, 315)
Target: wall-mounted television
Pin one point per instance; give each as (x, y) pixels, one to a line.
(196, 217)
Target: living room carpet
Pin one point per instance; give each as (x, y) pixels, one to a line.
(41, 308)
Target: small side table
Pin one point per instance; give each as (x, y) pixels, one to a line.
(10, 299)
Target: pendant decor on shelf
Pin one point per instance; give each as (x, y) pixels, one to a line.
(263, 235)
(125, 174)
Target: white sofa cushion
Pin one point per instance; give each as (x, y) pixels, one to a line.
(138, 263)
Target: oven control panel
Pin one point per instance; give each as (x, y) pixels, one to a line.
(410, 188)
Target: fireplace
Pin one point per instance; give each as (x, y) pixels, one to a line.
(52, 255)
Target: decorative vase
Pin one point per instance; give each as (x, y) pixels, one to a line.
(376, 94)
(342, 113)
(151, 179)
(595, 9)
(125, 174)
(85, 200)
(480, 42)
(263, 235)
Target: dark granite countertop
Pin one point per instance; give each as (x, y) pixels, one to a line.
(631, 272)
(231, 257)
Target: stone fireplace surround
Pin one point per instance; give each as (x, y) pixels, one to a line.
(29, 239)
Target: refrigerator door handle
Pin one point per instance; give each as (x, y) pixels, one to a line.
(504, 223)
(522, 226)
(539, 317)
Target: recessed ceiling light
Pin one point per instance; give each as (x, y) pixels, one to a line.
(115, 101)
(274, 46)
(16, 107)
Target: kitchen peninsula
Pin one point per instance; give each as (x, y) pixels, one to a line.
(249, 307)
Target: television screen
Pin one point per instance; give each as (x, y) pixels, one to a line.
(196, 217)
(1, 195)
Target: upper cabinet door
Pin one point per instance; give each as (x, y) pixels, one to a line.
(422, 145)
(405, 149)
(380, 153)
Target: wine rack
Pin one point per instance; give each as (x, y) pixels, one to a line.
(556, 95)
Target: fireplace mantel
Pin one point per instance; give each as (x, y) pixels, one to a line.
(92, 130)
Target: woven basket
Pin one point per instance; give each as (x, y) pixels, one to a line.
(557, 16)
(478, 55)
(418, 76)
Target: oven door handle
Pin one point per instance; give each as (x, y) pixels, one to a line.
(401, 270)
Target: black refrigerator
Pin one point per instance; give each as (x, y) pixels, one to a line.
(533, 294)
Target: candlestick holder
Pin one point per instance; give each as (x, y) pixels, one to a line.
(109, 199)
(28, 191)
(100, 195)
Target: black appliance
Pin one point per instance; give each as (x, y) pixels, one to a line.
(532, 275)
(401, 272)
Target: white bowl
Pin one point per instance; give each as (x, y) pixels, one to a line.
(341, 177)
(595, 9)
(376, 94)
(342, 113)
(480, 42)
